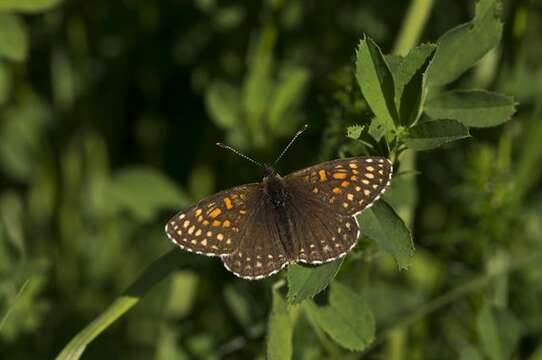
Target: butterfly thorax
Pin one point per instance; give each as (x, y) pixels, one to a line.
(274, 188)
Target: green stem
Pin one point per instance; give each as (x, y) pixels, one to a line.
(412, 26)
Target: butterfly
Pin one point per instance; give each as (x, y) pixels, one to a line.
(308, 216)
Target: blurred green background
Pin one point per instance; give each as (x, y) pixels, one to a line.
(109, 112)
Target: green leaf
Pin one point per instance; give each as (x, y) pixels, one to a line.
(27, 6)
(223, 104)
(304, 282)
(376, 82)
(280, 329)
(470, 353)
(258, 84)
(473, 108)
(537, 355)
(13, 38)
(347, 319)
(432, 134)
(287, 94)
(238, 305)
(499, 332)
(354, 131)
(410, 89)
(22, 132)
(142, 191)
(384, 226)
(461, 47)
(153, 274)
(5, 82)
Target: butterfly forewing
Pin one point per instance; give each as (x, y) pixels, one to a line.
(212, 226)
(347, 185)
(259, 252)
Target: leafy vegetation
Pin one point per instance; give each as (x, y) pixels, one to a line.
(109, 112)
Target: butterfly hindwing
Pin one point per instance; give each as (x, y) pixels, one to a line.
(259, 251)
(212, 226)
(322, 234)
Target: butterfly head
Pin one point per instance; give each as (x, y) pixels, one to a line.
(269, 173)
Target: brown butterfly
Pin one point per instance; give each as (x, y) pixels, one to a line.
(308, 216)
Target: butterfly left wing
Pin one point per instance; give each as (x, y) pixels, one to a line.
(212, 226)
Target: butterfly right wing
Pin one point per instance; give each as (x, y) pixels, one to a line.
(259, 253)
(213, 226)
(322, 233)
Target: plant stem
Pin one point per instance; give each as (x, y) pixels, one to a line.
(413, 25)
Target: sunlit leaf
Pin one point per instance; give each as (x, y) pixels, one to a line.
(258, 83)
(354, 131)
(347, 319)
(142, 191)
(306, 281)
(376, 82)
(27, 6)
(461, 47)
(410, 89)
(390, 233)
(223, 104)
(432, 134)
(287, 94)
(473, 108)
(13, 38)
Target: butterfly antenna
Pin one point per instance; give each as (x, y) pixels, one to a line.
(224, 146)
(299, 132)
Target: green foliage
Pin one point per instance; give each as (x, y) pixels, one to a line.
(475, 108)
(432, 134)
(13, 38)
(388, 230)
(280, 332)
(346, 319)
(124, 192)
(305, 282)
(498, 331)
(461, 47)
(108, 125)
(27, 6)
(376, 82)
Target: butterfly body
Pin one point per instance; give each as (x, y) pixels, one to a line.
(278, 197)
(307, 216)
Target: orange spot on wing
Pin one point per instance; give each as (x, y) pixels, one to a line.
(227, 202)
(340, 175)
(345, 184)
(322, 175)
(226, 223)
(216, 223)
(215, 212)
(336, 190)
